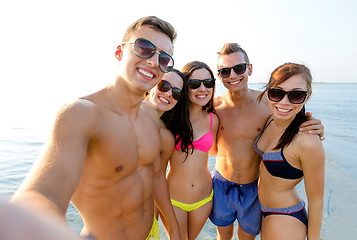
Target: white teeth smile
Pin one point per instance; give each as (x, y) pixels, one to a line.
(234, 82)
(282, 110)
(164, 100)
(201, 96)
(145, 73)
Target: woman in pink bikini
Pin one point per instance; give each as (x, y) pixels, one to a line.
(189, 180)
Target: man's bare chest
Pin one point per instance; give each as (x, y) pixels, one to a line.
(240, 124)
(123, 146)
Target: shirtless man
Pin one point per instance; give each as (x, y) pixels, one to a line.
(103, 153)
(236, 173)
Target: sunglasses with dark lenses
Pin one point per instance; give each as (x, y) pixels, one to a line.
(165, 86)
(145, 49)
(238, 69)
(295, 96)
(196, 83)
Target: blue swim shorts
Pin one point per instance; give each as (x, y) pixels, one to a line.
(298, 211)
(233, 201)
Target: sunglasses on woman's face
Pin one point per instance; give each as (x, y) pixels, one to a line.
(196, 83)
(165, 86)
(238, 69)
(145, 49)
(295, 96)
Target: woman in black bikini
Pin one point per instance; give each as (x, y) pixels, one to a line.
(288, 157)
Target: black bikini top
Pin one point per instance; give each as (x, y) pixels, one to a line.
(276, 163)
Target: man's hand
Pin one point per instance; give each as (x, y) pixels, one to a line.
(313, 126)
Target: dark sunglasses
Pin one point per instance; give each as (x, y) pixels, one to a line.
(165, 86)
(238, 69)
(295, 96)
(196, 83)
(145, 49)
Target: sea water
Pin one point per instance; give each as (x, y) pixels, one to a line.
(335, 104)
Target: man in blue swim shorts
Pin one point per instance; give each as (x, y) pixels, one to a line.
(235, 201)
(242, 119)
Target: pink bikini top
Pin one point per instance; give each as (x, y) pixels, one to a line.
(204, 143)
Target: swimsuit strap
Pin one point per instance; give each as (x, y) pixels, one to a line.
(211, 121)
(266, 125)
(257, 150)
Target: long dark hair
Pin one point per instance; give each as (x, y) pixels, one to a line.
(187, 71)
(278, 76)
(177, 119)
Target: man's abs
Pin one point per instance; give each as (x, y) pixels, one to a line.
(242, 169)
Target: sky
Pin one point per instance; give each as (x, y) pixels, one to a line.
(54, 51)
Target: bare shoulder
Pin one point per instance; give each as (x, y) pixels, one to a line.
(148, 108)
(261, 103)
(215, 121)
(255, 92)
(166, 135)
(78, 114)
(261, 100)
(167, 140)
(220, 101)
(167, 145)
(307, 141)
(77, 107)
(149, 111)
(57, 172)
(309, 147)
(311, 155)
